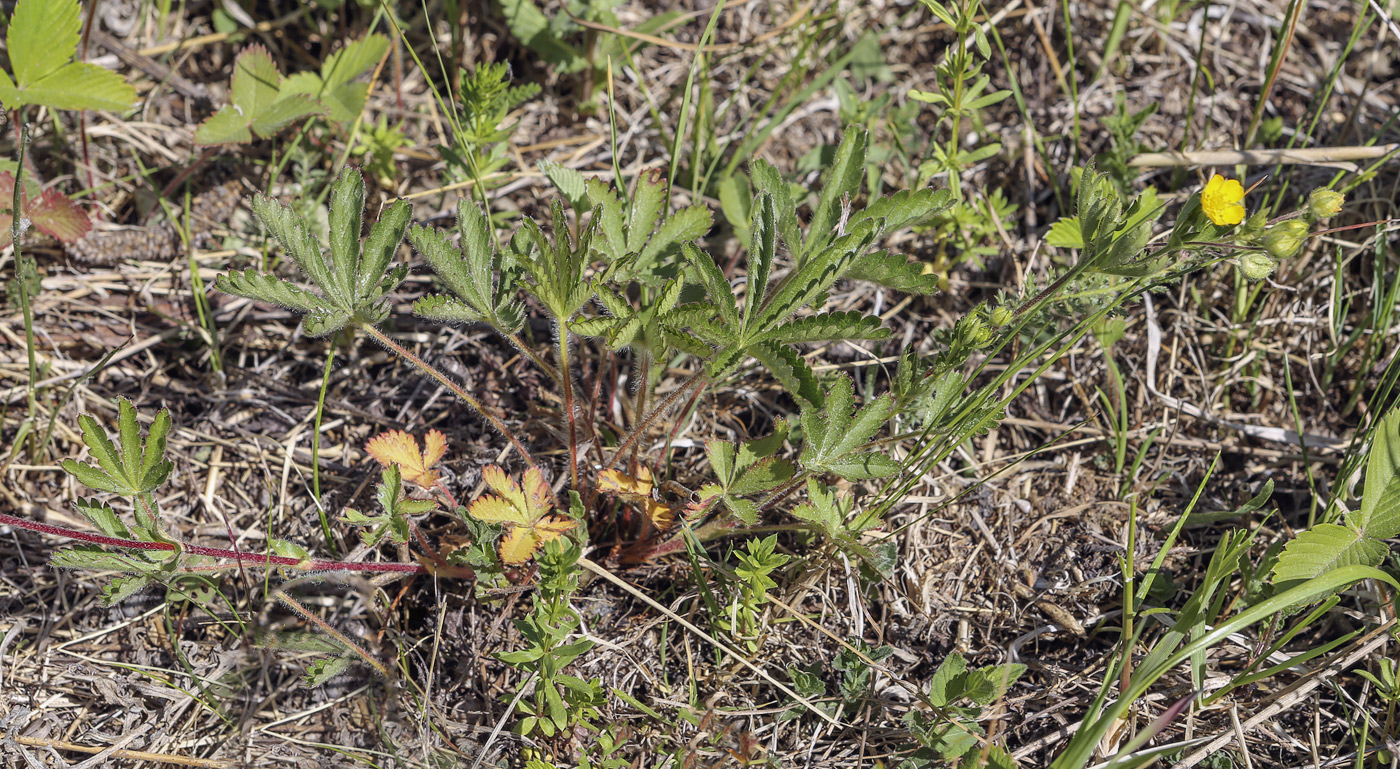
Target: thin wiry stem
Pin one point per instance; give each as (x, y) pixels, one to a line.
(567, 380)
(246, 559)
(326, 628)
(445, 381)
(645, 424)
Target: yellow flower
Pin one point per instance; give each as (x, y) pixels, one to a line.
(1221, 201)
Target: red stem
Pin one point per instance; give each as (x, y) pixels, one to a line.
(252, 559)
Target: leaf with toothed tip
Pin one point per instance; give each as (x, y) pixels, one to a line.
(356, 278)
(51, 212)
(42, 39)
(257, 104)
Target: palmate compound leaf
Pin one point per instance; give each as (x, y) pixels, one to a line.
(642, 230)
(479, 274)
(257, 105)
(744, 470)
(834, 434)
(523, 508)
(133, 468)
(397, 447)
(354, 281)
(41, 39)
(396, 506)
(765, 327)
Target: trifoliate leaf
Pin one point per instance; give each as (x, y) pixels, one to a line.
(42, 38)
(1323, 548)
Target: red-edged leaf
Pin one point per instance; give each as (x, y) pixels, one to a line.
(54, 214)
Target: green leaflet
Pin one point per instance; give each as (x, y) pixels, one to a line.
(354, 282)
(257, 104)
(42, 38)
(835, 433)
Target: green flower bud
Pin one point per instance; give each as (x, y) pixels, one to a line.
(974, 332)
(1253, 227)
(1000, 316)
(1324, 203)
(1256, 266)
(1284, 239)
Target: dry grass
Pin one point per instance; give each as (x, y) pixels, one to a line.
(1023, 567)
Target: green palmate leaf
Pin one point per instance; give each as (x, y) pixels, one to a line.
(342, 99)
(42, 38)
(478, 273)
(825, 510)
(835, 432)
(1324, 548)
(354, 282)
(257, 104)
(641, 230)
(745, 470)
(131, 469)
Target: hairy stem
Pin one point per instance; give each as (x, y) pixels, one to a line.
(567, 380)
(246, 559)
(22, 282)
(326, 628)
(643, 386)
(642, 426)
(534, 357)
(316, 448)
(445, 381)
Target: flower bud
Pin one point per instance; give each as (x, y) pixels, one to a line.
(1000, 316)
(974, 332)
(1256, 266)
(1324, 203)
(1283, 239)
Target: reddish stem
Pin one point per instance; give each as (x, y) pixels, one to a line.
(251, 559)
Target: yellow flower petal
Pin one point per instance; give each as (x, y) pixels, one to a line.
(1220, 200)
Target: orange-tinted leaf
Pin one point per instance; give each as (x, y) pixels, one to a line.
(621, 483)
(640, 490)
(434, 447)
(494, 509)
(52, 213)
(57, 216)
(518, 545)
(660, 513)
(524, 508)
(399, 448)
